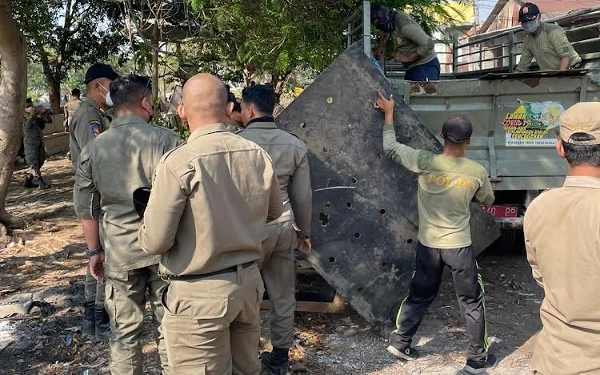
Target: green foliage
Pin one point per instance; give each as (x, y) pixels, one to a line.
(66, 35)
(277, 36)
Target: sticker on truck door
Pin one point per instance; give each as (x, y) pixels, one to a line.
(531, 124)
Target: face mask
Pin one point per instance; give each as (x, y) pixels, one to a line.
(529, 27)
(107, 98)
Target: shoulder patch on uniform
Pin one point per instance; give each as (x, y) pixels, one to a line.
(95, 127)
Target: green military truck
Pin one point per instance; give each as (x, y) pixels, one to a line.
(515, 115)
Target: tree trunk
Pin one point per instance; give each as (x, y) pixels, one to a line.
(54, 94)
(12, 102)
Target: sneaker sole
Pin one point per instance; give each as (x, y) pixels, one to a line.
(398, 354)
(477, 371)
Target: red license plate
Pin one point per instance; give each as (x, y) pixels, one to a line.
(502, 211)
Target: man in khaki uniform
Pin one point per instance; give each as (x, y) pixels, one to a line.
(71, 107)
(413, 47)
(546, 42)
(109, 170)
(289, 155)
(447, 185)
(88, 121)
(209, 202)
(563, 247)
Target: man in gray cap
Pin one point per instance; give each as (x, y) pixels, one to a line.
(89, 121)
(563, 243)
(447, 185)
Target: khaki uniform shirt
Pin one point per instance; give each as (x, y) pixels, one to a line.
(210, 200)
(70, 109)
(548, 48)
(109, 170)
(446, 188)
(87, 123)
(289, 155)
(409, 37)
(562, 235)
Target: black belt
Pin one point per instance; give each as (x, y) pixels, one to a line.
(166, 277)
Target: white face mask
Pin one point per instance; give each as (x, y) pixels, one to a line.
(107, 98)
(530, 27)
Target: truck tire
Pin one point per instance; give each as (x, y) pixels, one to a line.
(511, 241)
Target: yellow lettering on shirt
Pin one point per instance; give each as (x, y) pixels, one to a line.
(445, 180)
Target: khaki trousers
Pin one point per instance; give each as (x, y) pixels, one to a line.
(125, 303)
(278, 270)
(212, 325)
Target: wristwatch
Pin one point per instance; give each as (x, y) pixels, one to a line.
(96, 251)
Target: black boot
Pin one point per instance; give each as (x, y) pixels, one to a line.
(276, 362)
(89, 319)
(102, 324)
(40, 183)
(29, 181)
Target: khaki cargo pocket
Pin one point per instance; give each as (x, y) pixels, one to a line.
(109, 303)
(207, 309)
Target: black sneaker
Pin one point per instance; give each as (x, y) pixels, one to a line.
(480, 368)
(270, 366)
(408, 353)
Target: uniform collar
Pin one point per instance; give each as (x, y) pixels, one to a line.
(208, 129)
(127, 120)
(582, 181)
(262, 123)
(91, 102)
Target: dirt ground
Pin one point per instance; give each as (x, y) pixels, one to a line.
(45, 263)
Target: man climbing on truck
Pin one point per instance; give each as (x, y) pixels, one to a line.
(413, 47)
(447, 185)
(546, 42)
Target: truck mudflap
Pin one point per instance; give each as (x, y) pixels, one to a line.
(365, 216)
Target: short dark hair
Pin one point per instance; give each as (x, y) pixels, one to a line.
(129, 90)
(29, 101)
(75, 92)
(261, 96)
(577, 154)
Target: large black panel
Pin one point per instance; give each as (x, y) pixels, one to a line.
(364, 205)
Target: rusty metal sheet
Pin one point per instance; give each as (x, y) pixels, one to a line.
(364, 205)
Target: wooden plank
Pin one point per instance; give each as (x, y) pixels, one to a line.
(334, 307)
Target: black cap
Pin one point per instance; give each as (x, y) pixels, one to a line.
(528, 12)
(457, 129)
(99, 70)
(141, 196)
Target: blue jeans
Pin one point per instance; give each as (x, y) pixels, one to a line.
(426, 72)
